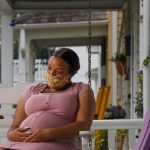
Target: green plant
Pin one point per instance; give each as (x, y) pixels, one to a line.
(101, 140)
(146, 61)
(139, 97)
(121, 133)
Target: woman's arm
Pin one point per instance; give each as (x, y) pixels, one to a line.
(83, 122)
(15, 133)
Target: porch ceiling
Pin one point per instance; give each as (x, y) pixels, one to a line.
(23, 5)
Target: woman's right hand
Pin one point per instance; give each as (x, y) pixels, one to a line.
(18, 134)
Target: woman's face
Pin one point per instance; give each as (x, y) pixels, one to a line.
(57, 67)
(58, 75)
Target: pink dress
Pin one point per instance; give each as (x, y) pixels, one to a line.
(48, 110)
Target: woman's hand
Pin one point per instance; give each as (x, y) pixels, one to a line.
(18, 134)
(39, 135)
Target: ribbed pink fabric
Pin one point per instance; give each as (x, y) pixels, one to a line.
(48, 110)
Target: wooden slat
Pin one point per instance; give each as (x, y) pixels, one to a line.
(3, 133)
(8, 97)
(5, 122)
(11, 95)
(7, 111)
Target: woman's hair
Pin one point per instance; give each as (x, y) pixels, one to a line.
(69, 56)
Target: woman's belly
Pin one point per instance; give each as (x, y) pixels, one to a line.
(43, 119)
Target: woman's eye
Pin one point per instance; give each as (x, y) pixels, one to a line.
(60, 72)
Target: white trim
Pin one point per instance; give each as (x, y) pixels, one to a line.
(6, 51)
(59, 24)
(146, 69)
(114, 50)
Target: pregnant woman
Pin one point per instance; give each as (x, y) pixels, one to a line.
(50, 115)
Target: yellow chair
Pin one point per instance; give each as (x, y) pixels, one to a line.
(98, 101)
(103, 103)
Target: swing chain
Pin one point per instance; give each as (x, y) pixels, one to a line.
(89, 60)
(90, 143)
(89, 43)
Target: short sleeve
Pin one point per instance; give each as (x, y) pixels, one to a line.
(27, 92)
(83, 88)
(33, 89)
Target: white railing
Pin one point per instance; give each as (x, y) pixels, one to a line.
(15, 70)
(40, 67)
(39, 70)
(112, 125)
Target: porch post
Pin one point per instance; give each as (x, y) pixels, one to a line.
(29, 61)
(141, 40)
(114, 50)
(146, 69)
(6, 50)
(22, 55)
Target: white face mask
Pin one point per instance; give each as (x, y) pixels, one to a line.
(57, 82)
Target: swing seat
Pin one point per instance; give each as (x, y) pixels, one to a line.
(143, 142)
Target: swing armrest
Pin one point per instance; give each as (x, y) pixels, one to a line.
(85, 135)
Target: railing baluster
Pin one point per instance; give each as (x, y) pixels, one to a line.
(111, 139)
(132, 138)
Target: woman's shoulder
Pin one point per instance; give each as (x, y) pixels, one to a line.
(33, 89)
(80, 84)
(36, 87)
(81, 87)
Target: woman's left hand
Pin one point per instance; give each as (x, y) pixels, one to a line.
(39, 135)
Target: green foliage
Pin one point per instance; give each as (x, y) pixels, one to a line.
(101, 140)
(15, 49)
(41, 53)
(121, 133)
(44, 53)
(139, 97)
(146, 61)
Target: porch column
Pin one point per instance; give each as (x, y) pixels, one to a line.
(29, 61)
(6, 50)
(114, 50)
(141, 40)
(22, 55)
(146, 69)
